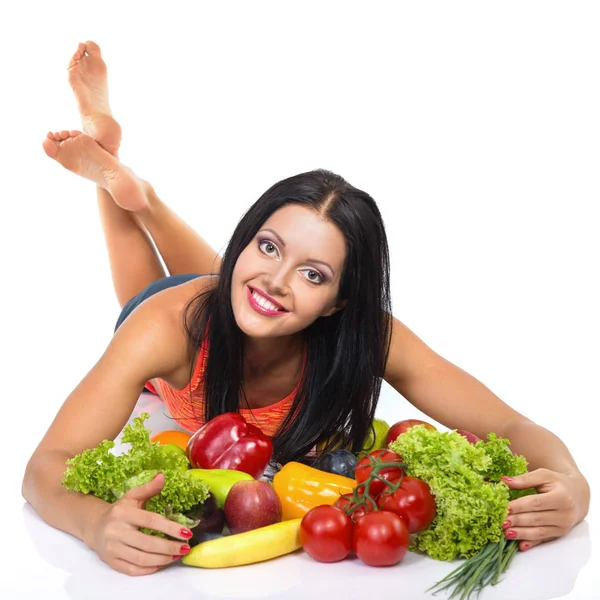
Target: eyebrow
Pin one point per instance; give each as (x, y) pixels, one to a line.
(313, 260)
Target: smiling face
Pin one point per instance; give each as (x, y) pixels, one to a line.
(296, 259)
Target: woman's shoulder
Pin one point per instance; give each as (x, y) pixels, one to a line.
(158, 324)
(172, 302)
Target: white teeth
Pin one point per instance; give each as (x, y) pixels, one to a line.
(264, 302)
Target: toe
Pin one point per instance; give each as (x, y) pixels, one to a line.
(92, 48)
(50, 147)
(77, 56)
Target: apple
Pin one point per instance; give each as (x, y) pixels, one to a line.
(471, 437)
(250, 505)
(403, 426)
(379, 441)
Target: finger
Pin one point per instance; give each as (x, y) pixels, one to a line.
(138, 517)
(143, 559)
(148, 490)
(534, 534)
(154, 544)
(536, 502)
(532, 519)
(130, 569)
(531, 479)
(525, 545)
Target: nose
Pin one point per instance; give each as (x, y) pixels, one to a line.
(277, 283)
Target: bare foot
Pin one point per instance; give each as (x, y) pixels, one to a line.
(87, 76)
(80, 154)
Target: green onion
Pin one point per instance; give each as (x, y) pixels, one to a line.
(479, 571)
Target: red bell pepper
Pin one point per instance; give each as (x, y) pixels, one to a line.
(230, 442)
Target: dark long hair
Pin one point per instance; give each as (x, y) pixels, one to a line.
(346, 352)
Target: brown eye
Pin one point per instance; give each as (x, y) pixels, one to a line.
(314, 276)
(266, 244)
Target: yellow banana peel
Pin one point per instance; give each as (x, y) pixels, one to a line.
(246, 548)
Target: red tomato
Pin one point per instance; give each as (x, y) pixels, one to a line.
(380, 539)
(412, 501)
(392, 474)
(342, 503)
(326, 533)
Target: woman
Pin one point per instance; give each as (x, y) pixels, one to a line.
(293, 328)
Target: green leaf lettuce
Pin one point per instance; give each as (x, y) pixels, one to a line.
(99, 472)
(472, 502)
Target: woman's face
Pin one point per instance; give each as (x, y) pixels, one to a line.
(296, 258)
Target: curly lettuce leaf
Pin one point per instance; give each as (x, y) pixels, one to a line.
(472, 502)
(99, 472)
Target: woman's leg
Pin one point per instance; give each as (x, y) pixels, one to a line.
(181, 248)
(134, 263)
(131, 236)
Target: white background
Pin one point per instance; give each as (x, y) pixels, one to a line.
(474, 125)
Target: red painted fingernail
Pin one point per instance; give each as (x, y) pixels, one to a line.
(506, 524)
(511, 534)
(186, 533)
(525, 546)
(178, 557)
(507, 478)
(184, 549)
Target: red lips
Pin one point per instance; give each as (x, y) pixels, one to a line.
(259, 291)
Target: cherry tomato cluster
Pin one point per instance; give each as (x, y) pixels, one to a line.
(376, 520)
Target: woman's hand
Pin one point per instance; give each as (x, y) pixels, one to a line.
(562, 501)
(117, 540)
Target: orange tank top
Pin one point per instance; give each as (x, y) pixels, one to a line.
(267, 418)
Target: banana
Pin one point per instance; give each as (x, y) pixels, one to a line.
(219, 481)
(253, 546)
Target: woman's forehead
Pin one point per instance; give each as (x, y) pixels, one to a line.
(304, 227)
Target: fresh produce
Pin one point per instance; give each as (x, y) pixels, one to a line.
(412, 501)
(99, 472)
(380, 539)
(470, 437)
(229, 442)
(246, 548)
(355, 510)
(403, 426)
(219, 481)
(250, 505)
(326, 533)
(340, 462)
(376, 436)
(370, 442)
(301, 488)
(472, 502)
(210, 520)
(178, 438)
(392, 473)
(185, 465)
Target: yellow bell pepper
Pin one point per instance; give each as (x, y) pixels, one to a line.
(301, 488)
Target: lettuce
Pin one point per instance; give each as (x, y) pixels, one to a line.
(472, 502)
(99, 472)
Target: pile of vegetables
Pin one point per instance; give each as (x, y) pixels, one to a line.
(417, 490)
(444, 489)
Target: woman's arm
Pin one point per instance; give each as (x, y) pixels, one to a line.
(148, 344)
(442, 390)
(457, 400)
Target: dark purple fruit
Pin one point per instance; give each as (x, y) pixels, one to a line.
(212, 521)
